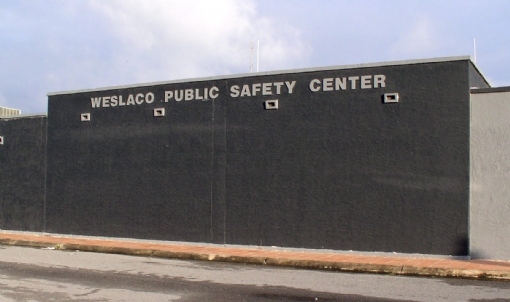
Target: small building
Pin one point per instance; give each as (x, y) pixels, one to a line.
(4, 111)
(22, 171)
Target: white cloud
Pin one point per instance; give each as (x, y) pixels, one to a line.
(179, 39)
(48, 46)
(56, 46)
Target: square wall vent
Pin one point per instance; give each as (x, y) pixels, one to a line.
(159, 111)
(390, 97)
(85, 117)
(271, 104)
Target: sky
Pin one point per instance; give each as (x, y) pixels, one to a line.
(49, 46)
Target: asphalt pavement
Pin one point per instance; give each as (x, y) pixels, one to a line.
(41, 274)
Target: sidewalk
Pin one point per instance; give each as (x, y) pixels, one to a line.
(398, 265)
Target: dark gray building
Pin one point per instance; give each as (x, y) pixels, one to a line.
(372, 157)
(22, 171)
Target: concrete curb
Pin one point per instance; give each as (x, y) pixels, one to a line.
(351, 267)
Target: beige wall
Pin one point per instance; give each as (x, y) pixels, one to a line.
(490, 176)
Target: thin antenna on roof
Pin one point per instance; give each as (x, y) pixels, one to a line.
(474, 46)
(258, 51)
(251, 55)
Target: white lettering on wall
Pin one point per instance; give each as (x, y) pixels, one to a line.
(117, 100)
(243, 90)
(365, 82)
(314, 85)
(261, 88)
(139, 99)
(214, 92)
(96, 102)
(379, 81)
(344, 83)
(113, 101)
(191, 94)
(290, 85)
(353, 81)
(234, 91)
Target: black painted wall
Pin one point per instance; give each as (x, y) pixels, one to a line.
(336, 169)
(22, 173)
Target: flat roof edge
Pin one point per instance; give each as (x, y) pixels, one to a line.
(276, 72)
(10, 117)
(490, 90)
